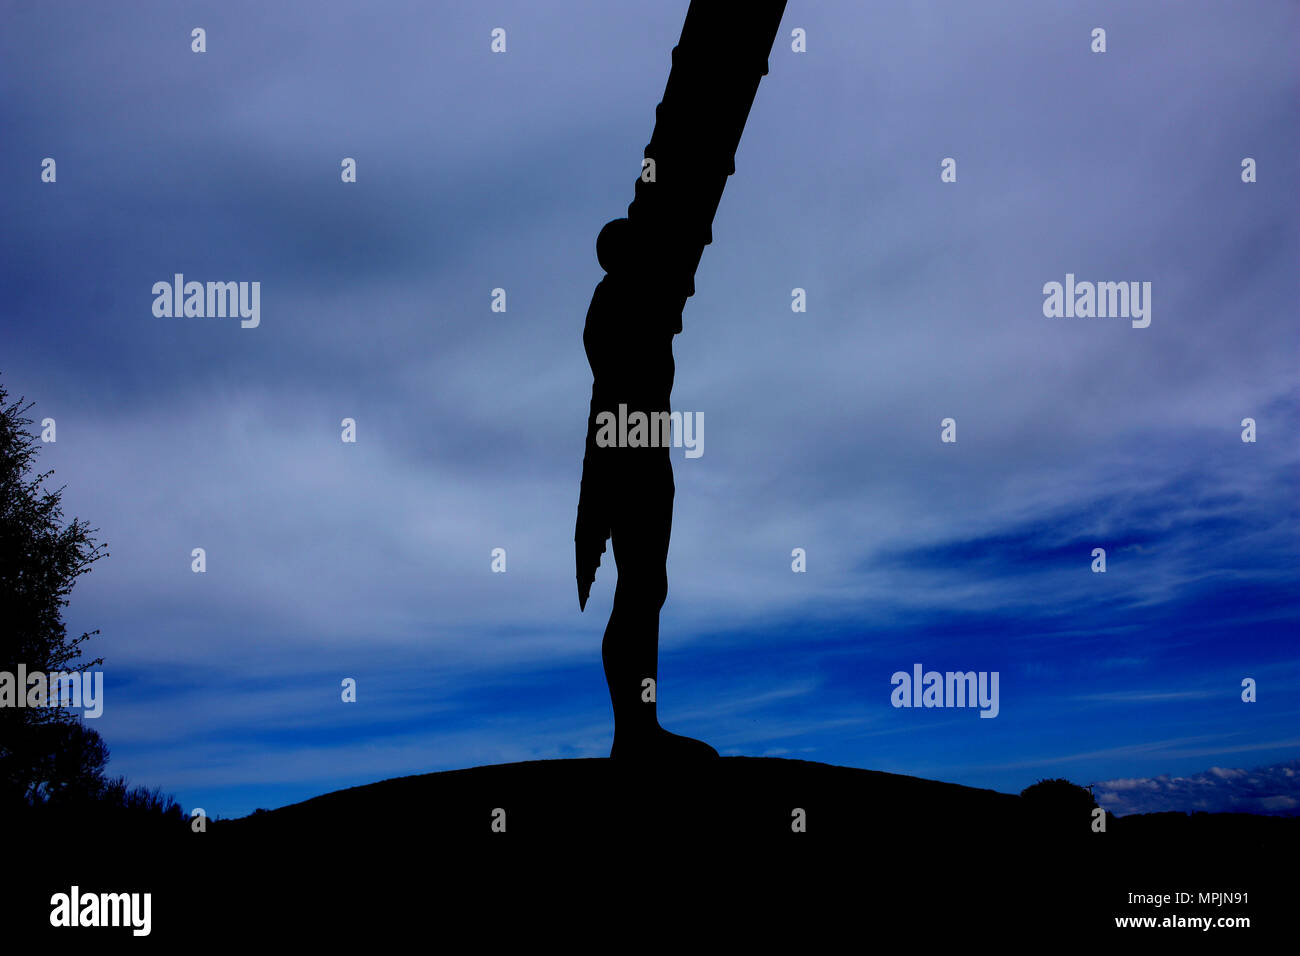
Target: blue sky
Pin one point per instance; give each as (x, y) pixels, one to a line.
(476, 171)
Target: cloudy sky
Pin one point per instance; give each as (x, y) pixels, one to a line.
(476, 171)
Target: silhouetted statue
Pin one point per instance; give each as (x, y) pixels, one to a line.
(627, 492)
(650, 260)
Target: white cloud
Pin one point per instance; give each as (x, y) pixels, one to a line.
(1274, 790)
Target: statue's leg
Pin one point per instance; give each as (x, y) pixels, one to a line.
(631, 646)
(640, 535)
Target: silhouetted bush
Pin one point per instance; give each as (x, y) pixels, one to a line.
(1060, 807)
(143, 801)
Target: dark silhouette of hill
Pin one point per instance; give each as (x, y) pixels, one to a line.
(740, 797)
(655, 852)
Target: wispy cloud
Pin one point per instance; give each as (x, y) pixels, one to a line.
(1137, 696)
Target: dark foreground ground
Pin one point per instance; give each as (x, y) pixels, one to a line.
(596, 857)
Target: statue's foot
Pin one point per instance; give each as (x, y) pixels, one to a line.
(660, 746)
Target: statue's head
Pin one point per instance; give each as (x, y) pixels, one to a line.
(614, 245)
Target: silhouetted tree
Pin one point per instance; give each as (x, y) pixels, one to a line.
(46, 753)
(1059, 806)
